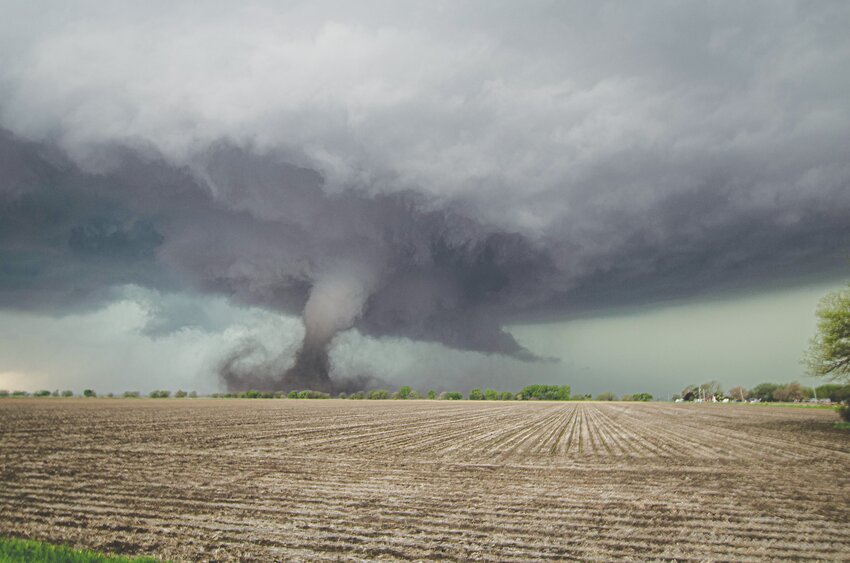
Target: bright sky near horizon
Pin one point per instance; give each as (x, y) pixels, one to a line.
(739, 340)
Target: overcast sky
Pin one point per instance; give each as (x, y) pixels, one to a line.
(620, 196)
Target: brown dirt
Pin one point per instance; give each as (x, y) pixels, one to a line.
(209, 479)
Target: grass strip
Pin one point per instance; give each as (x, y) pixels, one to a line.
(792, 405)
(19, 551)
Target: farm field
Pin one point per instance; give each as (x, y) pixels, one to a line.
(310, 480)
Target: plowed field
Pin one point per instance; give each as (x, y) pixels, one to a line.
(208, 479)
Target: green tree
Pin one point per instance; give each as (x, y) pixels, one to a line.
(491, 395)
(546, 393)
(507, 396)
(89, 393)
(67, 393)
(829, 349)
(379, 394)
(476, 395)
(180, 394)
(432, 394)
(292, 395)
(404, 392)
(764, 391)
(645, 397)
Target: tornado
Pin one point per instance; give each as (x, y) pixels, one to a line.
(336, 301)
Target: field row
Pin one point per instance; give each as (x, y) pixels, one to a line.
(425, 480)
(548, 433)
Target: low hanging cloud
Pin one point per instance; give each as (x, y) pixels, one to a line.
(414, 172)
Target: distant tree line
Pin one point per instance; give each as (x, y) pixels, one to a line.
(91, 393)
(528, 393)
(793, 392)
(534, 392)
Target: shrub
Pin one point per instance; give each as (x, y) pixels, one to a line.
(131, 394)
(254, 394)
(627, 397)
(451, 396)
(844, 412)
(476, 395)
(432, 394)
(89, 393)
(507, 396)
(4, 392)
(180, 394)
(607, 396)
(359, 395)
(404, 392)
(491, 395)
(159, 394)
(342, 395)
(379, 394)
(414, 395)
(42, 393)
(546, 392)
(67, 393)
(645, 397)
(310, 394)
(292, 395)
(193, 394)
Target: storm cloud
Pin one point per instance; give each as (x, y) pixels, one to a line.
(418, 170)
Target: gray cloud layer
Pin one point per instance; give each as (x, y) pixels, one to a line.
(421, 170)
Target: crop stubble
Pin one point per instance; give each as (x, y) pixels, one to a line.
(282, 479)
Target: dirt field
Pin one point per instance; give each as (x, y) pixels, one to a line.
(283, 479)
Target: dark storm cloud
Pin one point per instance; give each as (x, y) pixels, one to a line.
(264, 233)
(419, 171)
